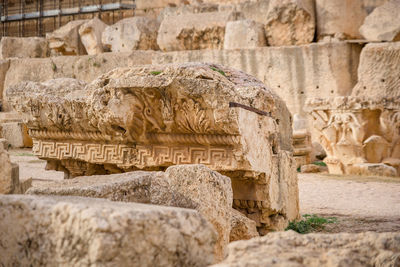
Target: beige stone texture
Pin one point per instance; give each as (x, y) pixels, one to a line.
(364, 127)
(342, 18)
(4, 65)
(9, 173)
(186, 9)
(373, 169)
(314, 250)
(23, 47)
(357, 130)
(85, 68)
(309, 168)
(383, 23)
(137, 33)
(53, 231)
(16, 134)
(244, 34)
(295, 73)
(186, 186)
(194, 31)
(242, 228)
(66, 40)
(302, 147)
(290, 22)
(175, 114)
(378, 73)
(90, 33)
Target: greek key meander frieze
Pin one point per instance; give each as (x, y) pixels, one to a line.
(140, 156)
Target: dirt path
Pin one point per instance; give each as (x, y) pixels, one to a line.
(359, 203)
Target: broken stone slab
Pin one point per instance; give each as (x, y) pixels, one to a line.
(242, 228)
(373, 169)
(293, 249)
(174, 114)
(66, 40)
(90, 33)
(137, 33)
(383, 23)
(290, 22)
(310, 168)
(340, 18)
(50, 230)
(244, 34)
(23, 47)
(186, 186)
(194, 31)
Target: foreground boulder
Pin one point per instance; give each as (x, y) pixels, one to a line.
(185, 186)
(23, 47)
(137, 33)
(292, 249)
(51, 231)
(152, 117)
(194, 31)
(66, 40)
(383, 23)
(90, 33)
(242, 228)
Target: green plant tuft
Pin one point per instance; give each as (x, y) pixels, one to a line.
(319, 163)
(53, 66)
(157, 72)
(218, 70)
(310, 223)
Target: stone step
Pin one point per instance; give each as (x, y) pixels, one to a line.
(76, 231)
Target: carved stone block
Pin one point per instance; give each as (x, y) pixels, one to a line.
(152, 117)
(357, 130)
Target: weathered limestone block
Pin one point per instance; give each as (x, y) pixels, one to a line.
(242, 228)
(38, 230)
(373, 169)
(378, 73)
(340, 18)
(90, 33)
(9, 173)
(357, 130)
(383, 23)
(309, 168)
(302, 147)
(314, 250)
(23, 47)
(66, 40)
(295, 73)
(194, 31)
(243, 34)
(290, 22)
(185, 186)
(4, 65)
(16, 134)
(152, 117)
(137, 33)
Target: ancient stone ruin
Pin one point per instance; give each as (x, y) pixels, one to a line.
(194, 132)
(152, 117)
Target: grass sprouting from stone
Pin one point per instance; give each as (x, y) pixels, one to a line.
(310, 223)
(155, 72)
(218, 70)
(319, 163)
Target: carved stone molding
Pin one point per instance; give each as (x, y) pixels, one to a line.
(357, 130)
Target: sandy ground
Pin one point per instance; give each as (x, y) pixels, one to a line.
(359, 203)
